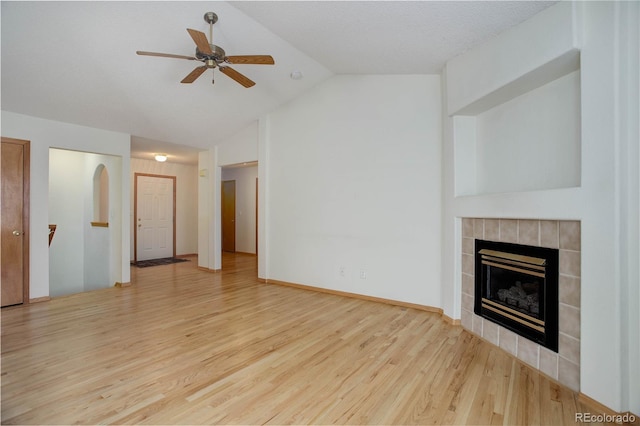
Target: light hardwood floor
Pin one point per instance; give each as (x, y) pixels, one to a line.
(183, 346)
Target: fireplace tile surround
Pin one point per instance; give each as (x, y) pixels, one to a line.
(563, 366)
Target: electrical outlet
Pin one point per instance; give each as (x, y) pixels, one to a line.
(341, 271)
(363, 274)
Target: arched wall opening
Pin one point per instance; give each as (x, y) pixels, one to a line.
(100, 196)
(83, 195)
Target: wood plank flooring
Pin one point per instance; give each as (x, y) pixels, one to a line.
(183, 346)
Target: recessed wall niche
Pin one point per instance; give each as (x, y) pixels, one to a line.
(100, 196)
(526, 139)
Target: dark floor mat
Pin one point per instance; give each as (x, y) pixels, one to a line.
(156, 262)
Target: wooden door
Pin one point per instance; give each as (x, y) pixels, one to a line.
(14, 171)
(228, 202)
(155, 214)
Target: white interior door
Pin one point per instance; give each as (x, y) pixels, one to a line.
(155, 217)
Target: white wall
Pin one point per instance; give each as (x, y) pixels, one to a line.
(349, 175)
(186, 200)
(604, 33)
(45, 134)
(240, 148)
(353, 181)
(66, 211)
(209, 232)
(630, 212)
(627, 20)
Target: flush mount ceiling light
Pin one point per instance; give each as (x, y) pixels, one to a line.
(161, 157)
(296, 75)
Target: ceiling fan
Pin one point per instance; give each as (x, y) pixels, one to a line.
(213, 56)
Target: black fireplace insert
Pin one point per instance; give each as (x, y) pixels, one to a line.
(516, 286)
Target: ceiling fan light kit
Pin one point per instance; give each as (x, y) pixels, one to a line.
(213, 56)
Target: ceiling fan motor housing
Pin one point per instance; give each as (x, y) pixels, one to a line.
(218, 54)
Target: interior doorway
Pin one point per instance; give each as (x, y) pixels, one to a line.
(154, 212)
(228, 216)
(245, 176)
(14, 171)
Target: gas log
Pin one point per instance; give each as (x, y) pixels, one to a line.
(517, 297)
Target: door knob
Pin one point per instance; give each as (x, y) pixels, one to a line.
(17, 233)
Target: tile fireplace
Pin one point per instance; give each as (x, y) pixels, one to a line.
(562, 364)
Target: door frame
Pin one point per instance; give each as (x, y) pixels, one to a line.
(135, 210)
(256, 216)
(26, 182)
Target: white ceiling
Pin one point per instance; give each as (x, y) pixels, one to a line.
(75, 61)
(387, 37)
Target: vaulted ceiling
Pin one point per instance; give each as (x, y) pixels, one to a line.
(76, 62)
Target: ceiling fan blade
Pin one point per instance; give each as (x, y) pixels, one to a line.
(251, 59)
(194, 74)
(166, 55)
(201, 41)
(230, 72)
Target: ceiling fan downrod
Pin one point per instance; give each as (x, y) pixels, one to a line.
(210, 18)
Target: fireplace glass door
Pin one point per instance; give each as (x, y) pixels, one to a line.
(516, 287)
